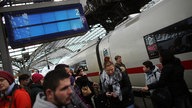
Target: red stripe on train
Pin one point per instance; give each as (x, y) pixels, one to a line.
(93, 74)
(135, 70)
(187, 65)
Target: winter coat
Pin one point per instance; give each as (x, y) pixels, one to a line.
(152, 76)
(172, 76)
(126, 91)
(16, 98)
(34, 90)
(126, 88)
(40, 102)
(82, 82)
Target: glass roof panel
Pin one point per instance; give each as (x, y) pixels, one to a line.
(39, 52)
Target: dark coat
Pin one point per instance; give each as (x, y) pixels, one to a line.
(35, 89)
(126, 89)
(172, 76)
(82, 82)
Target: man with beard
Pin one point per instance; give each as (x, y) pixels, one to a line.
(57, 91)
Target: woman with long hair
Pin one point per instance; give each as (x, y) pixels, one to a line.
(116, 86)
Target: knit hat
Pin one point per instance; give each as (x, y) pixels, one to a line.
(37, 77)
(7, 76)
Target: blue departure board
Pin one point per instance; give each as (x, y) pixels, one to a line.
(40, 25)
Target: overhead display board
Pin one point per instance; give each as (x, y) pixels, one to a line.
(39, 25)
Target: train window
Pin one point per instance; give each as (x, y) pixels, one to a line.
(81, 64)
(151, 46)
(105, 52)
(176, 37)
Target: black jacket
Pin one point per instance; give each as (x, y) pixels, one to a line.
(126, 89)
(34, 90)
(172, 76)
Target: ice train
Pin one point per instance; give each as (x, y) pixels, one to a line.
(166, 25)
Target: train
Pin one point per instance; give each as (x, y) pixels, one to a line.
(166, 25)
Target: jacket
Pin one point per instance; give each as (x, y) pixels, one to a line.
(152, 76)
(126, 88)
(34, 90)
(40, 102)
(126, 91)
(81, 82)
(172, 76)
(16, 98)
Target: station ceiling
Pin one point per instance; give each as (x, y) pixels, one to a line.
(39, 56)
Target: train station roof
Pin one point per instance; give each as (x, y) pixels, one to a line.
(40, 55)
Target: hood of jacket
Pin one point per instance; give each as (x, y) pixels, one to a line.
(42, 103)
(156, 69)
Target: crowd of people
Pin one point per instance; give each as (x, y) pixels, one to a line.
(62, 88)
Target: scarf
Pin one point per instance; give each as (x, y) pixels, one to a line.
(113, 80)
(9, 90)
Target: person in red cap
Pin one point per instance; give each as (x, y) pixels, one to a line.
(37, 78)
(13, 94)
(37, 86)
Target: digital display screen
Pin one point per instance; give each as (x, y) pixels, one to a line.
(44, 24)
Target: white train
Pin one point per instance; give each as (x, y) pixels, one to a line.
(136, 40)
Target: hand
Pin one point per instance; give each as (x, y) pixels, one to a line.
(145, 88)
(108, 94)
(122, 69)
(114, 94)
(77, 77)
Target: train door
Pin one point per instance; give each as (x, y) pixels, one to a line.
(103, 51)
